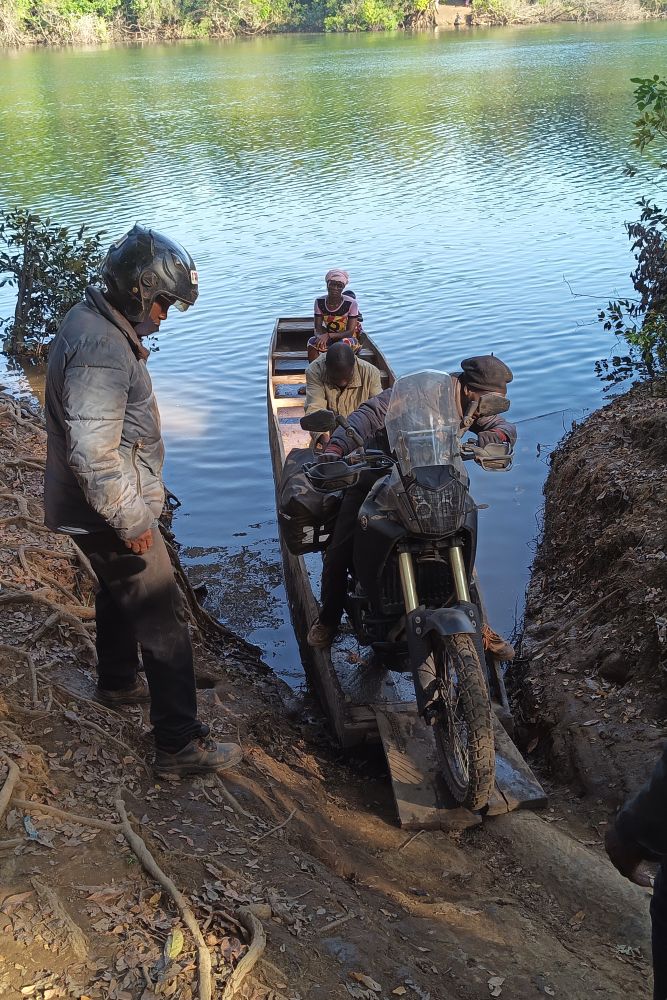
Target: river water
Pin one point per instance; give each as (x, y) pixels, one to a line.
(471, 183)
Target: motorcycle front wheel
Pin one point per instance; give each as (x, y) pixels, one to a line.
(462, 724)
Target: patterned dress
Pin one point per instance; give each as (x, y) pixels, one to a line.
(334, 321)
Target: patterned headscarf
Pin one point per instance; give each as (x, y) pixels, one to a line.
(335, 274)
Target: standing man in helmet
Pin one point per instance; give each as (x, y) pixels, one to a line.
(103, 486)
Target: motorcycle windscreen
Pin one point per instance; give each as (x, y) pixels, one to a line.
(422, 421)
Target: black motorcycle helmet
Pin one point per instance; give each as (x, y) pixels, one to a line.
(144, 265)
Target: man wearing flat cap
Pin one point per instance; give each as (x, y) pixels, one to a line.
(478, 377)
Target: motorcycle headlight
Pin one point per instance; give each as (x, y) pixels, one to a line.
(439, 511)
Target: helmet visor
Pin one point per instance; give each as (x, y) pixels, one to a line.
(167, 301)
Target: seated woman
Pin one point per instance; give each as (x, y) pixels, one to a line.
(337, 316)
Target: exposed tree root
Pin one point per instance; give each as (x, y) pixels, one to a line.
(13, 775)
(64, 615)
(570, 623)
(27, 463)
(18, 650)
(233, 802)
(49, 578)
(150, 864)
(77, 939)
(84, 563)
(86, 724)
(20, 501)
(10, 845)
(274, 829)
(251, 957)
(22, 519)
(42, 576)
(70, 817)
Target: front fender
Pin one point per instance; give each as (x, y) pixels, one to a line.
(420, 626)
(445, 621)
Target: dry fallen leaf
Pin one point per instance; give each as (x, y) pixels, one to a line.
(366, 981)
(400, 991)
(173, 946)
(11, 902)
(495, 985)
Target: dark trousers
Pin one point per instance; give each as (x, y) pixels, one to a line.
(659, 934)
(337, 558)
(139, 606)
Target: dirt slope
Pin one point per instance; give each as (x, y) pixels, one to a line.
(596, 695)
(305, 838)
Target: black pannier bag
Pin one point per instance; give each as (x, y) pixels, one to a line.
(306, 516)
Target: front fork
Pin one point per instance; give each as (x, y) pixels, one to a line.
(409, 584)
(443, 621)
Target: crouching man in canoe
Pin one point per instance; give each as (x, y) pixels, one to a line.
(341, 382)
(103, 487)
(479, 375)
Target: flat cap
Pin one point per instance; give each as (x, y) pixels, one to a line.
(486, 373)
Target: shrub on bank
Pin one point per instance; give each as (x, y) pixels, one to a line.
(536, 11)
(50, 267)
(641, 322)
(372, 15)
(90, 21)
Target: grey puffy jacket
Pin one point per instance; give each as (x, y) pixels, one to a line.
(104, 452)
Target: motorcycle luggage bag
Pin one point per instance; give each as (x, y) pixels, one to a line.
(305, 515)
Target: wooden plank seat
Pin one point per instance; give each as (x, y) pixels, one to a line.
(363, 353)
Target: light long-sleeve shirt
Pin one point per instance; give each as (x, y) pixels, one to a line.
(322, 394)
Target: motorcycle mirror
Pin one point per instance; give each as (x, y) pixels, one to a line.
(492, 403)
(350, 431)
(320, 420)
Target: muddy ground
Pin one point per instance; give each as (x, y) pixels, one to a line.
(300, 844)
(593, 695)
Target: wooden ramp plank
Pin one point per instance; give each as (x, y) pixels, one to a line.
(422, 801)
(514, 778)
(422, 798)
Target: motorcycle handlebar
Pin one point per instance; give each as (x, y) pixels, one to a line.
(339, 473)
(492, 458)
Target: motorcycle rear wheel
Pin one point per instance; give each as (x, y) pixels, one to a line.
(462, 725)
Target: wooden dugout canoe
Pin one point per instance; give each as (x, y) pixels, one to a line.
(345, 689)
(361, 701)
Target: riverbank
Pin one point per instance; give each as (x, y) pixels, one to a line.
(98, 22)
(299, 845)
(593, 694)
(527, 12)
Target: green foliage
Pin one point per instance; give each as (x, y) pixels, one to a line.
(364, 15)
(642, 322)
(91, 20)
(50, 267)
(94, 20)
(651, 101)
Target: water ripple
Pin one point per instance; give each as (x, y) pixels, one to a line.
(459, 178)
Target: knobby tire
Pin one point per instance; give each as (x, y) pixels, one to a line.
(472, 790)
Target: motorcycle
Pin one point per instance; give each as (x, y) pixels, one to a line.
(410, 595)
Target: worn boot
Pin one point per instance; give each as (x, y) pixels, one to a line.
(135, 694)
(320, 636)
(496, 645)
(200, 756)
